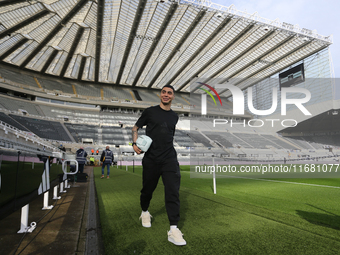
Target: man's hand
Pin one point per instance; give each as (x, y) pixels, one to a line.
(137, 150)
(134, 138)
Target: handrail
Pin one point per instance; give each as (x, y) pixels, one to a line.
(26, 135)
(64, 166)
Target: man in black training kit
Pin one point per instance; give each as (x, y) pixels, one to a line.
(160, 160)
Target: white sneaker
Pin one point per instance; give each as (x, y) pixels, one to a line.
(146, 219)
(175, 236)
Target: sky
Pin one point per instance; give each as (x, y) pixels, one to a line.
(324, 16)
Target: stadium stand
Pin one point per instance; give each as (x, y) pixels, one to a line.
(255, 140)
(104, 127)
(114, 135)
(299, 142)
(80, 132)
(55, 85)
(45, 129)
(183, 139)
(279, 142)
(199, 139)
(220, 138)
(314, 144)
(18, 77)
(148, 96)
(14, 104)
(118, 93)
(228, 139)
(179, 99)
(324, 139)
(136, 95)
(7, 119)
(88, 90)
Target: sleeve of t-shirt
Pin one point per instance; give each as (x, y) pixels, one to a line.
(142, 121)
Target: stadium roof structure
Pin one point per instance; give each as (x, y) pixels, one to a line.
(149, 43)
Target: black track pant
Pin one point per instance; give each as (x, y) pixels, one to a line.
(171, 177)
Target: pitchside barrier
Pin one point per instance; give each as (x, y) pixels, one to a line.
(25, 175)
(123, 162)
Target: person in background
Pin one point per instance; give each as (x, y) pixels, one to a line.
(92, 151)
(81, 155)
(106, 158)
(92, 161)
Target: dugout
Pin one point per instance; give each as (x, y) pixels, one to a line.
(23, 177)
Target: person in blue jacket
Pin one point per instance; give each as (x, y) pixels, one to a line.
(81, 155)
(107, 159)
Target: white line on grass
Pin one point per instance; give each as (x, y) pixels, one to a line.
(308, 184)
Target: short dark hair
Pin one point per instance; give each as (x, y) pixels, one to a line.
(169, 86)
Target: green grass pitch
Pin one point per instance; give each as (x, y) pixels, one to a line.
(246, 216)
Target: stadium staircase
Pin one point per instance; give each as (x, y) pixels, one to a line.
(7, 119)
(217, 144)
(309, 143)
(68, 132)
(237, 137)
(39, 110)
(285, 142)
(100, 135)
(211, 142)
(278, 146)
(126, 135)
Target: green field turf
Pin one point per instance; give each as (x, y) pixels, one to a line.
(246, 216)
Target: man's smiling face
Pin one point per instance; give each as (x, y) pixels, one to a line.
(167, 95)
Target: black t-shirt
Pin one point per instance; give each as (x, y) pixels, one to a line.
(160, 127)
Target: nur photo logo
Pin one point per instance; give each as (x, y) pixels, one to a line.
(239, 101)
(204, 97)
